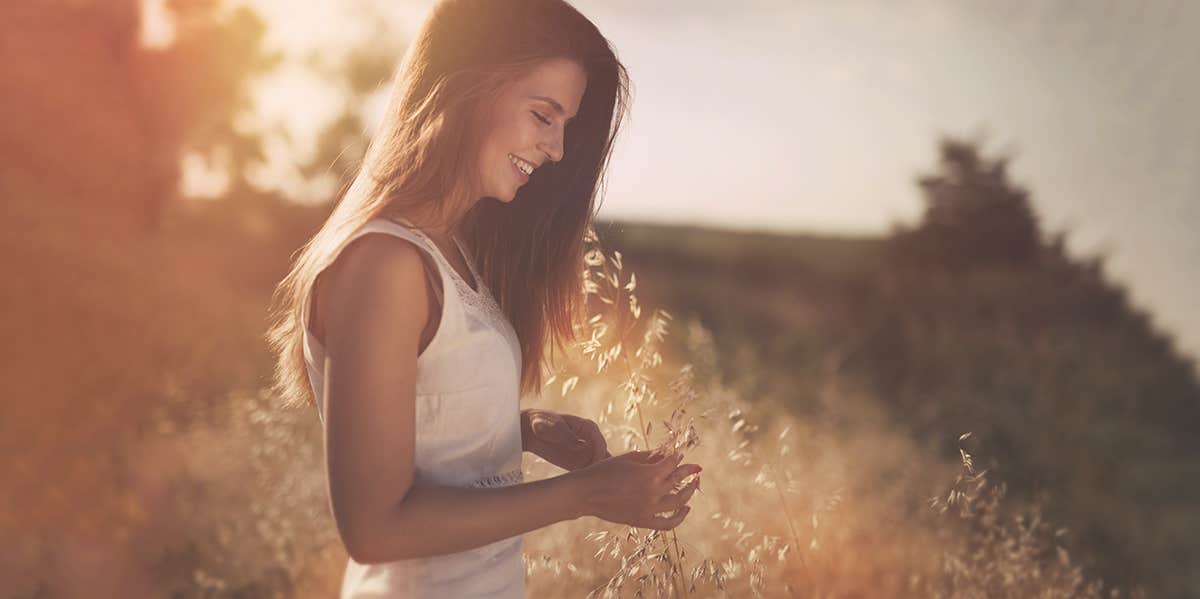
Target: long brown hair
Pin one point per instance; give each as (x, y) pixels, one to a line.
(422, 161)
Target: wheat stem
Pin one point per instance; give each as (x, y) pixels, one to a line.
(788, 516)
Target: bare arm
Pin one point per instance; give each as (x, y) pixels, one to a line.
(374, 308)
(440, 520)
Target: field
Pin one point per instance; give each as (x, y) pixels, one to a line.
(188, 479)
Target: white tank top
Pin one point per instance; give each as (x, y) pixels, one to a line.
(468, 430)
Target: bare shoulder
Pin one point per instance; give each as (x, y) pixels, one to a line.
(361, 291)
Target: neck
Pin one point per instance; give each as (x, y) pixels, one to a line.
(428, 223)
(432, 221)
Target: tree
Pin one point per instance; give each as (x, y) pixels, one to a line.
(973, 215)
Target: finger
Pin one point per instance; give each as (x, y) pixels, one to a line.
(674, 501)
(667, 464)
(599, 445)
(552, 430)
(574, 444)
(599, 452)
(649, 457)
(669, 522)
(587, 431)
(682, 472)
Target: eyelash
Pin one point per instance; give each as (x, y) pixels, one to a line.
(540, 117)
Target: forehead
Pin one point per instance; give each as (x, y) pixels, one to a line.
(561, 79)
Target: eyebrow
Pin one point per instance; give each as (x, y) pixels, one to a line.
(557, 107)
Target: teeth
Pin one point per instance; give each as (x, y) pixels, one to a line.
(525, 167)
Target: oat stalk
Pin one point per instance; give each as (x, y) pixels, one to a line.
(678, 565)
(637, 379)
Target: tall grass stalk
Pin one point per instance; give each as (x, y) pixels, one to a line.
(637, 382)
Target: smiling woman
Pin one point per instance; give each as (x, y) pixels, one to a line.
(419, 313)
(526, 125)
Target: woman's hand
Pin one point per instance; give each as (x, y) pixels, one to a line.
(633, 487)
(567, 441)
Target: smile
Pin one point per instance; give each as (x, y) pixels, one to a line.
(525, 168)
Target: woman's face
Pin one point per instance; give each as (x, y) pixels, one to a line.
(525, 128)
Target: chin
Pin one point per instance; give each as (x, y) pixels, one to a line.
(503, 199)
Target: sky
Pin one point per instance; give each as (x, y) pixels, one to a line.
(817, 116)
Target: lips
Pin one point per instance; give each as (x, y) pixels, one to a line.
(520, 175)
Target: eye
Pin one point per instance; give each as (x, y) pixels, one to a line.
(540, 117)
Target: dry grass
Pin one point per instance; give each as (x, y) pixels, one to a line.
(836, 506)
(232, 501)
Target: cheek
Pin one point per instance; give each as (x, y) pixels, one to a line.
(507, 135)
(516, 135)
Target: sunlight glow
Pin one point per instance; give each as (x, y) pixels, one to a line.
(157, 27)
(201, 179)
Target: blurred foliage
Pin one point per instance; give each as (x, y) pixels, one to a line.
(126, 320)
(359, 74)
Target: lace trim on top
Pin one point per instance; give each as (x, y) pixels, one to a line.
(503, 479)
(480, 301)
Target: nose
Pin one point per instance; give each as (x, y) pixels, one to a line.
(552, 145)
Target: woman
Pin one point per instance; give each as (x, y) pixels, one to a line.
(418, 314)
